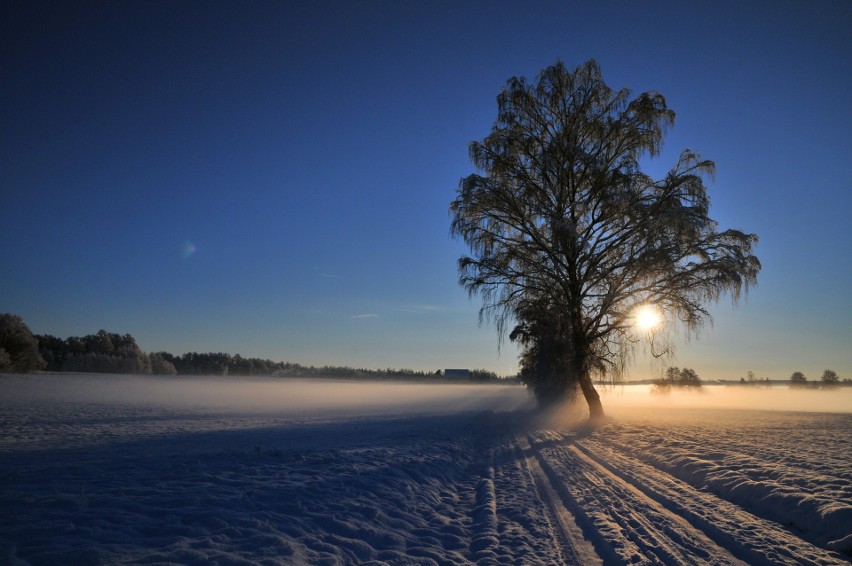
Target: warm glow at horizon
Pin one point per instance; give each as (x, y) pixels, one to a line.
(648, 317)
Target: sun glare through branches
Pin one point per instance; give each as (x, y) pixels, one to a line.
(648, 317)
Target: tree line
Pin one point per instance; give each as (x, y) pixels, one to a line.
(22, 351)
(829, 378)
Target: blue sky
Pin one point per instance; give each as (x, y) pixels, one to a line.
(273, 178)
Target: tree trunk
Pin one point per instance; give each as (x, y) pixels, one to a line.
(592, 398)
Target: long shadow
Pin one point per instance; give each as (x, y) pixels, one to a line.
(298, 478)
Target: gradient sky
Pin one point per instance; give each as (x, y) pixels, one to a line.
(273, 178)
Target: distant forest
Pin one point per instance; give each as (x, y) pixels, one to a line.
(109, 352)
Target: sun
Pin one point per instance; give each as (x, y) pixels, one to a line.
(648, 317)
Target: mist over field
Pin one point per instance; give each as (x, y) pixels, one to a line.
(264, 395)
(745, 397)
(317, 396)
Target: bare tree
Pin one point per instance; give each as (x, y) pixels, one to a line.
(798, 379)
(830, 378)
(676, 377)
(568, 237)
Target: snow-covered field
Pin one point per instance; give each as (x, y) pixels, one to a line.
(145, 470)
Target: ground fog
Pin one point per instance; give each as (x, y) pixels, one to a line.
(748, 397)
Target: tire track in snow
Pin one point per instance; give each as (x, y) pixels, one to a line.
(485, 540)
(624, 524)
(567, 534)
(808, 497)
(746, 536)
(509, 525)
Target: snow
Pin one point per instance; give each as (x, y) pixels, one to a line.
(143, 470)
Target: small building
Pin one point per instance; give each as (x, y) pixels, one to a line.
(457, 373)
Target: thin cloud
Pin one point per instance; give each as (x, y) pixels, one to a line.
(364, 316)
(330, 275)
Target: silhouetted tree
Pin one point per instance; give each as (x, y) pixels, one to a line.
(545, 356)
(676, 377)
(672, 374)
(798, 379)
(830, 378)
(689, 378)
(19, 345)
(568, 236)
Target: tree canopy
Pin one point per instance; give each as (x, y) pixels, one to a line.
(798, 379)
(18, 346)
(830, 377)
(568, 237)
(685, 378)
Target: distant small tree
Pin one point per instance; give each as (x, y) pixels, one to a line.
(798, 379)
(688, 378)
(830, 378)
(672, 374)
(676, 378)
(20, 345)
